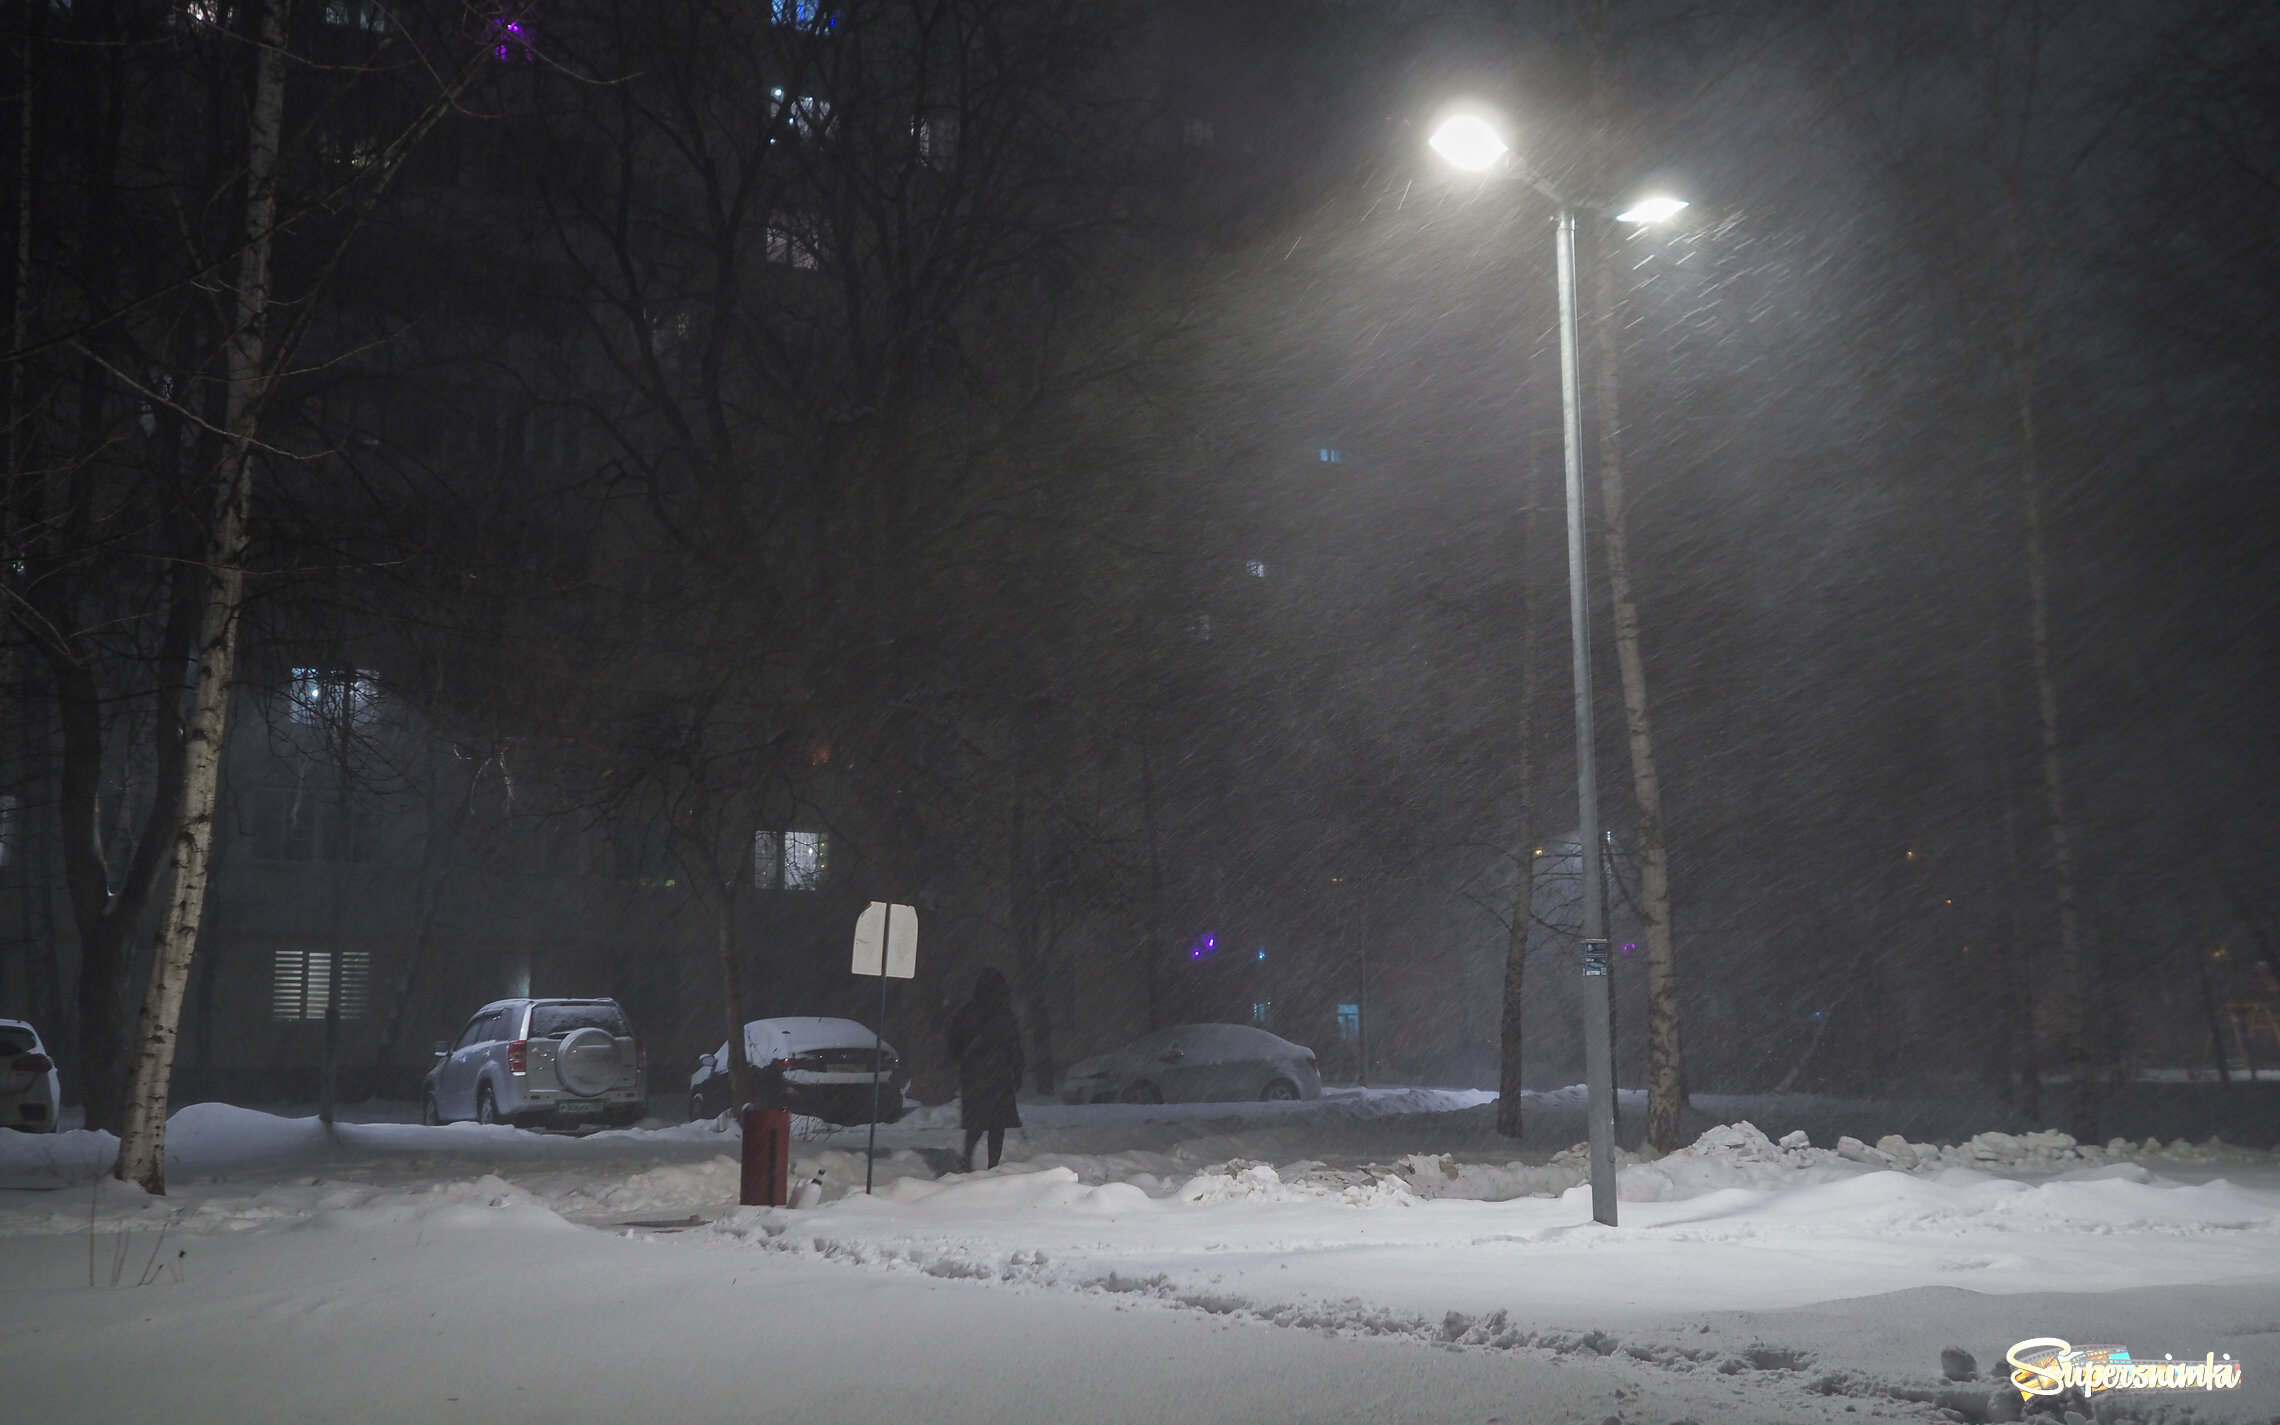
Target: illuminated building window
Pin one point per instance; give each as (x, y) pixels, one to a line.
(805, 856)
(1349, 1021)
(792, 861)
(357, 15)
(937, 140)
(810, 115)
(791, 243)
(322, 697)
(301, 984)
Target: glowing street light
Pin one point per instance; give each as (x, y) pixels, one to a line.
(1652, 210)
(1471, 143)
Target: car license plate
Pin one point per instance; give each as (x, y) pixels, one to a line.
(579, 1105)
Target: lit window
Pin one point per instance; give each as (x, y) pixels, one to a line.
(355, 155)
(1331, 455)
(810, 115)
(1349, 1021)
(333, 699)
(788, 244)
(1262, 1010)
(1256, 568)
(357, 15)
(937, 140)
(301, 984)
(805, 854)
(767, 857)
(802, 14)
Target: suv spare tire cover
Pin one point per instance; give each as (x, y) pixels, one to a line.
(587, 1061)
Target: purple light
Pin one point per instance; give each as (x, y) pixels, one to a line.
(1209, 943)
(510, 40)
(1195, 954)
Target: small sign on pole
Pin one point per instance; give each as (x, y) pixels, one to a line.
(896, 928)
(886, 945)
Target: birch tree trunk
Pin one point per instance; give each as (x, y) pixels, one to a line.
(142, 1142)
(1666, 1078)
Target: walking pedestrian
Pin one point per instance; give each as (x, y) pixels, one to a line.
(985, 1039)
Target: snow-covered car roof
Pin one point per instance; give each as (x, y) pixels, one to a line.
(766, 1039)
(544, 999)
(1231, 1039)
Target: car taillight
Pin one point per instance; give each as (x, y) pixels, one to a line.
(518, 1057)
(32, 1064)
(1311, 1064)
(640, 1057)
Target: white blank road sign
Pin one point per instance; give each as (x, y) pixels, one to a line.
(900, 932)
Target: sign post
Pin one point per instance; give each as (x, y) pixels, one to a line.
(886, 945)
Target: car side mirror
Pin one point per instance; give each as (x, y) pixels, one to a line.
(705, 1062)
(441, 1048)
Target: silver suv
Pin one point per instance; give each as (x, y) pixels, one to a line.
(534, 1062)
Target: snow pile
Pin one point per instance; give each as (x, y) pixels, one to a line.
(962, 1197)
(2046, 1152)
(1238, 1180)
(1444, 1175)
(667, 1187)
(1732, 1155)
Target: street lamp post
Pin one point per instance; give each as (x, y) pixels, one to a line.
(1473, 144)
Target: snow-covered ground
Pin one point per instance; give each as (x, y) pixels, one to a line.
(1378, 1255)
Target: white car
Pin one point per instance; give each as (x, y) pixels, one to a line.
(540, 1062)
(28, 1087)
(1197, 1063)
(824, 1064)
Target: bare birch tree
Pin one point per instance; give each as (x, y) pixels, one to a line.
(252, 366)
(1666, 1076)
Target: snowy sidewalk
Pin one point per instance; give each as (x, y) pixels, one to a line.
(1750, 1279)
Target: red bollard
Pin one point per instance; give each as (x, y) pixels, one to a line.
(767, 1158)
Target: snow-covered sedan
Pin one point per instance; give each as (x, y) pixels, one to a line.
(1197, 1063)
(28, 1088)
(823, 1067)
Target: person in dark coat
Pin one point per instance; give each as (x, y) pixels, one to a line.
(985, 1039)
